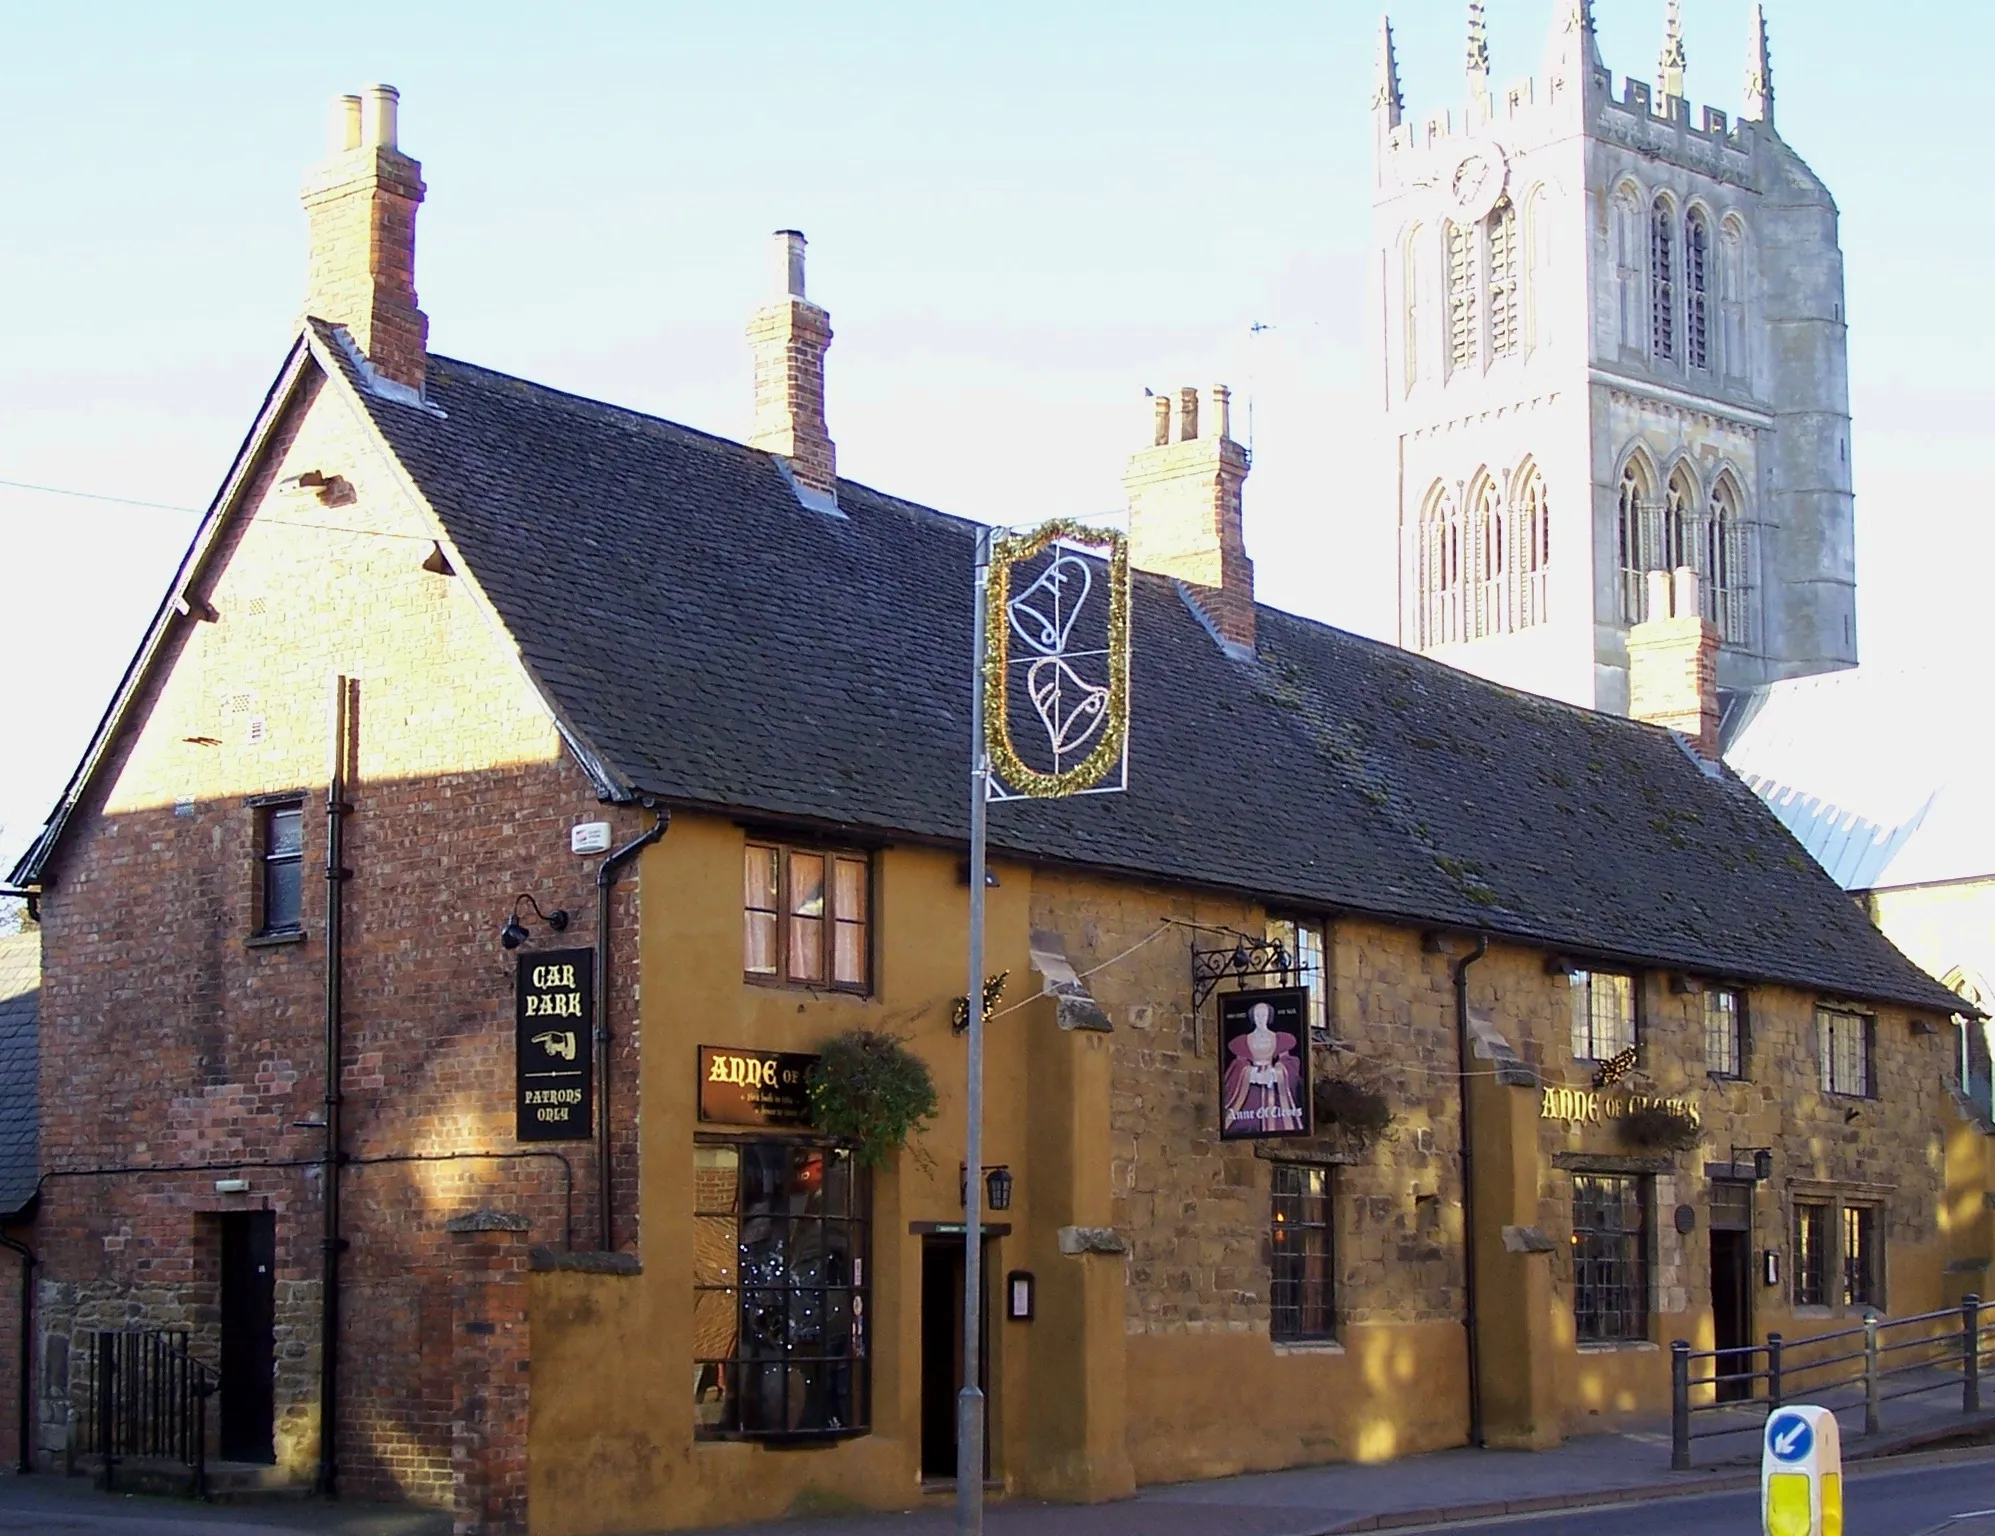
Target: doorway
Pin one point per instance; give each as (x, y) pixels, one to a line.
(249, 1336)
(1731, 1286)
(942, 1354)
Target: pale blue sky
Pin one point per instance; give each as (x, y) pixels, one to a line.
(1019, 214)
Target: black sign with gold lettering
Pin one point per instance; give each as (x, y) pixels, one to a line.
(744, 1087)
(555, 1014)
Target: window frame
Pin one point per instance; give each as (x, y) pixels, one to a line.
(1740, 1036)
(1829, 1057)
(1812, 1267)
(1579, 979)
(1288, 929)
(267, 808)
(1306, 1318)
(729, 1372)
(832, 920)
(1865, 1218)
(1589, 1323)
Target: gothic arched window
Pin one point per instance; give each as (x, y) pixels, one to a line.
(1463, 318)
(1662, 281)
(1640, 539)
(1727, 584)
(1505, 336)
(1440, 573)
(1696, 289)
(1628, 263)
(1679, 544)
(1732, 299)
(1531, 543)
(1491, 615)
(1410, 277)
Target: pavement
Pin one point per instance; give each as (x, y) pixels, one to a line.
(1462, 1488)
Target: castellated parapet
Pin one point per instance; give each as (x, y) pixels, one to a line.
(1610, 340)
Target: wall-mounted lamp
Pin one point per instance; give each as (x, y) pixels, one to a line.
(1851, 1115)
(514, 934)
(963, 875)
(1558, 965)
(1762, 1164)
(1685, 986)
(997, 1187)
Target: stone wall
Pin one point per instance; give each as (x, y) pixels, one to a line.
(174, 1039)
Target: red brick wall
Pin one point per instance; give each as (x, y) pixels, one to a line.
(168, 1039)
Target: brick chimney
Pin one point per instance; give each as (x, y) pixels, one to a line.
(1184, 511)
(362, 203)
(1673, 663)
(790, 337)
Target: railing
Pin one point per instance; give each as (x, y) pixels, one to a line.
(1888, 1358)
(148, 1397)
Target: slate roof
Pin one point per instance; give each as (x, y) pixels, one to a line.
(1874, 819)
(20, 1004)
(719, 645)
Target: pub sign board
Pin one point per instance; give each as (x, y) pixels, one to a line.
(744, 1087)
(1264, 1063)
(554, 1010)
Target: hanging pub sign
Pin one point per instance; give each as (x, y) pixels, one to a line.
(744, 1087)
(1264, 1063)
(554, 1011)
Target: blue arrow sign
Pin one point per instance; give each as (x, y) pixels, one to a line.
(1789, 1437)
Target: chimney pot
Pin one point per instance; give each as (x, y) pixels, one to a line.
(379, 104)
(1187, 415)
(789, 250)
(1222, 411)
(1684, 584)
(345, 124)
(1161, 410)
(1659, 596)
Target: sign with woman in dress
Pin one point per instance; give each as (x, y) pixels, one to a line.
(1264, 1063)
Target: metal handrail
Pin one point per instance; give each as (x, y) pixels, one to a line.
(148, 1397)
(1960, 1342)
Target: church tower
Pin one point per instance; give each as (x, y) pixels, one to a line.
(1611, 341)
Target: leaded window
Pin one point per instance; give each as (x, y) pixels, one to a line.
(1603, 1014)
(1505, 333)
(1639, 538)
(1491, 615)
(281, 851)
(1662, 282)
(780, 1244)
(1440, 569)
(1727, 582)
(1696, 290)
(1302, 940)
(1860, 1288)
(1302, 1253)
(1610, 1270)
(1811, 1253)
(1531, 532)
(1843, 1043)
(1724, 1032)
(1463, 320)
(1679, 513)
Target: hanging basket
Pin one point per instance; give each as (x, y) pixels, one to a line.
(872, 1093)
(1359, 1112)
(1661, 1129)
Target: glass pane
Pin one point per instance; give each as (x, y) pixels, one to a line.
(287, 834)
(758, 882)
(282, 895)
(807, 1321)
(714, 1179)
(806, 1191)
(761, 1400)
(712, 1405)
(850, 891)
(838, 1184)
(765, 1177)
(714, 1321)
(850, 960)
(759, 943)
(806, 949)
(807, 885)
(715, 1250)
(764, 1323)
(1582, 1019)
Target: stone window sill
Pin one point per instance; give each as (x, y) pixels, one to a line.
(1307, 1346)
(272, 940)
(1619, 1346)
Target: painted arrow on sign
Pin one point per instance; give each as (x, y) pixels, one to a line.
(1789, 1438)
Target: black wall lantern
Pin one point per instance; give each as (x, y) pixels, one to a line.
(514, 934)
(997, 1187)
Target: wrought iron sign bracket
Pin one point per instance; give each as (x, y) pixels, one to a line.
(1248, 958)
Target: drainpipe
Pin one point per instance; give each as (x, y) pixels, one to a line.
(336, 877)
(25, 1464)
(606, 874)
(1461, 970)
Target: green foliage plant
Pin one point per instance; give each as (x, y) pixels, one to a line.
(871, 1092)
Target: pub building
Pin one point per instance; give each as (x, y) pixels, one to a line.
(1391, 1061)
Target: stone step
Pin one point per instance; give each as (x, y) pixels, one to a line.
(228, 1481)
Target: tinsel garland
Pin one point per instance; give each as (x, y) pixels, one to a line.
(1009, 550)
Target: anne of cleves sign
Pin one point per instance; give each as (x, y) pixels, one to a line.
(1264, 1063)
(744, 1087)
(554, 1008)
(1578, 1106)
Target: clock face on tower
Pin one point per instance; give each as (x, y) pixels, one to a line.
(1474, 182)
